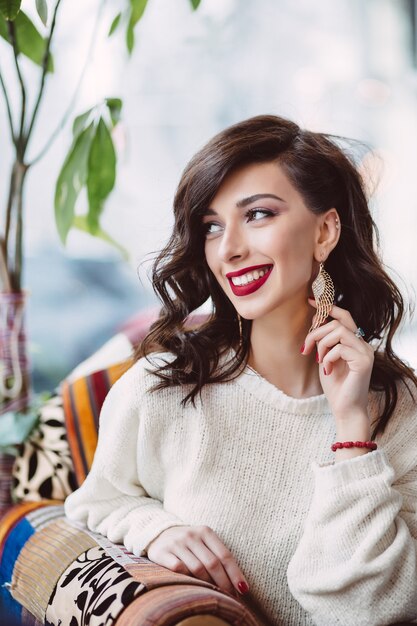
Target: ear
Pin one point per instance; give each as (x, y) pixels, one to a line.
(328, 234)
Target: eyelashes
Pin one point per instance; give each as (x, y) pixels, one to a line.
(251, 212)
(250, 216)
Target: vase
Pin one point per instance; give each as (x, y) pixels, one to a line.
(14, 376)
(14, 367)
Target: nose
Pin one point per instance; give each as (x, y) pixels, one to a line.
(233, 244)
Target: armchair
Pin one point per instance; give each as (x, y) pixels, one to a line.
(54, 572)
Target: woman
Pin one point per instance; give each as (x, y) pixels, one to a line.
(214, 455)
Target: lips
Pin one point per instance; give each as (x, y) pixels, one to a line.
(245, 290)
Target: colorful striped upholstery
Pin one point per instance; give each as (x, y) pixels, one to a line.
(82, 400)
(17, 526)
(164, 606)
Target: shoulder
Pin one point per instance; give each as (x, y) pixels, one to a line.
(136, 381)
(131, 395)
(143, 372)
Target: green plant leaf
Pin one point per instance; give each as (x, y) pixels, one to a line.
(101, 174)
(71, 179)
(42, 9)
(10, 8)
(137, 10)
(195, 4)
(80, 122)
(28, 39)
(130, 37)
(114, 24)
(4, 33)
(115, 107)
(15, 427)
(80, 222)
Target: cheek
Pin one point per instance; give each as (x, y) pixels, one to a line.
(293, 250)
(286, 244)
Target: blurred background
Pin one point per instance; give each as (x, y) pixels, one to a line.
(346, 67)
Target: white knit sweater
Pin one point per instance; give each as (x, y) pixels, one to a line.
(320, 543)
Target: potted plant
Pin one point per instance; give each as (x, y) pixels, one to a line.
(90, 163)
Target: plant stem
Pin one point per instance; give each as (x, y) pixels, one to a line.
(8, 107)
(4, 275)
(20, 137)
(73, 100)
(9, 209)
(45, 61)
(18, 260)
(14, 223)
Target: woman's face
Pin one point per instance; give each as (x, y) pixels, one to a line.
(260, 241)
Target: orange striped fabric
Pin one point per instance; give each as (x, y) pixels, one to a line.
(82, 401)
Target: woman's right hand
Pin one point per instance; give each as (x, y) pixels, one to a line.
(198, 551)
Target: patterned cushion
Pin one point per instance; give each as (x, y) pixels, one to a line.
(44, 468)
(57, 456)
(82, 401)
(100, 587)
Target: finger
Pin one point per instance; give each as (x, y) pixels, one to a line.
(356, 361)
(233, 571)
(212, 565)
(193, 563)
(172, 562)
(315, 335)
(340, 335)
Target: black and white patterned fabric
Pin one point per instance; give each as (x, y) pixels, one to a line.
(44, 467)
(93, 590)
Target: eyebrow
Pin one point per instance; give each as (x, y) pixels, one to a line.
(245, 201)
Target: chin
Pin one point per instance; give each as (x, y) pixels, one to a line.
(256, 311)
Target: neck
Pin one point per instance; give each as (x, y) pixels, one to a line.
(275, 344)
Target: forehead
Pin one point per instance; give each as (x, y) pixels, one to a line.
(252, 179)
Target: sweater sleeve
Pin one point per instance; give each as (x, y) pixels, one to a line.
(111, 501)
(356, 561)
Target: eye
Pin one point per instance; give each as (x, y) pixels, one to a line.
(210, 228)
(258, 214)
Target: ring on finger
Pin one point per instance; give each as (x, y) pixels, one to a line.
(360, 332)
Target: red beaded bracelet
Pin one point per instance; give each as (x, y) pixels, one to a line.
(354, 444)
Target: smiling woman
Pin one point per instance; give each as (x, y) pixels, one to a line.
(270, 450)
(277, 232)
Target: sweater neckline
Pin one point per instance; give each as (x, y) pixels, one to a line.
(258, 386)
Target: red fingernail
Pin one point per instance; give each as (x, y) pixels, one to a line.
(324, 370)
(242, 586)
(302, 348)
(317, 357)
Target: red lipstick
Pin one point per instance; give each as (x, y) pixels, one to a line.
(245, 290)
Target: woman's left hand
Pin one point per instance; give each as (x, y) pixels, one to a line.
(346, 363)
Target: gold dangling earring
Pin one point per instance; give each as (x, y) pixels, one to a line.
(323, 290)
(239, 319)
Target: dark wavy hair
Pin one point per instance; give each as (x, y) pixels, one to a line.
(326, 177)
